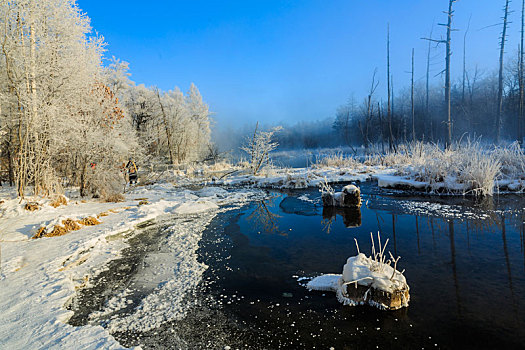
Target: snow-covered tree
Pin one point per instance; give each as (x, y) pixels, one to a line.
(53, 95)
(259, 146)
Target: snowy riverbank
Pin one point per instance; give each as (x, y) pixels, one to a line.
(40, 276)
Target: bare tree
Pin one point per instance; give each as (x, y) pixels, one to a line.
(465, 61)
(448, 54)
(450, 13)
(427, 97)
(412, 100)
(520, 79)
(500, 77)
(389, 111)
(369, 110)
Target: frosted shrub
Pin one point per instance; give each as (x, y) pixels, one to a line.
(259, 147)
(106, 183)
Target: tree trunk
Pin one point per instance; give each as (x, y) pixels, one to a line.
(500, 77)
(166, 127)
(412, 101)
(520, 72)
(389, 111)
(428, 87)
(450, 13)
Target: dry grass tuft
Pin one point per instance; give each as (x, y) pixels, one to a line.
(40, 233)
(114, 198)
(32, 206)
(89, 221)
(58, 201)
(71, 225)
(67, 226)
(144, 202)
(57, 231)
(105, 213)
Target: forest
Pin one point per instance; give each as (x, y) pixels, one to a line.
(68, 117)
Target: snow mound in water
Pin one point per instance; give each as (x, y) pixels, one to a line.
(368, 272)
(365, 281)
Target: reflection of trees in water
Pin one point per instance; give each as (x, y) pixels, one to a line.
(351, 217)
(394, 233)
(507, 260)
(522, 235)
(417, 232)
(453, 262)
(263, 219)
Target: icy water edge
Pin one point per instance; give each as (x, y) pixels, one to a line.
(464, 262)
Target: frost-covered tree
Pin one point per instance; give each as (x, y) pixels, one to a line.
(54, 98)
(259, 146)
(169, 124)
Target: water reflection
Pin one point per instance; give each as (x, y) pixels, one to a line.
(454, 266)
(351, 217)
(265, 220)
(464, 282)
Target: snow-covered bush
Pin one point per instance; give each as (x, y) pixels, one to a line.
(258, 148)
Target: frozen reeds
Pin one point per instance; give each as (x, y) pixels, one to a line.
(336, 160)
(378, 257)
(468, 167)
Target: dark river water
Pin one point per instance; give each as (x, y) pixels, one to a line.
(464, 262)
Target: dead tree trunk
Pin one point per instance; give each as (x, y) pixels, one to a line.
(465, 61)
(448, 53)
(450, 13)
(381, 127)
(389, 111)
(500, 77)
(427, 104)
(370, 108)
(520, 72)
(412, 101)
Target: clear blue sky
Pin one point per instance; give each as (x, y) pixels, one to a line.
(288, 60)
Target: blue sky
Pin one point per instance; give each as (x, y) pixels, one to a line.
(286, 61)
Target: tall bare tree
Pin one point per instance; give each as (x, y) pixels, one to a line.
(389, 110)
(427, 97)
(500, 77)
(448, 54)
(412, 100)
(465, 61)
(450, 14)
(520, 72)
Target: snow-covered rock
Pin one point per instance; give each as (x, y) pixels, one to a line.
(366, 281)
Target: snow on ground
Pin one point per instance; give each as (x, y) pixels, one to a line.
(38, 277)
(393, 181)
